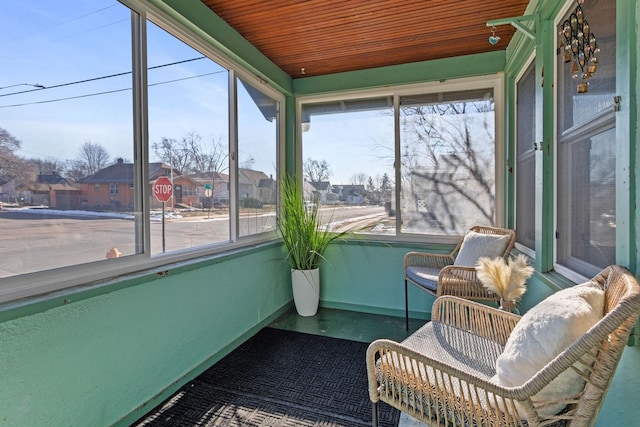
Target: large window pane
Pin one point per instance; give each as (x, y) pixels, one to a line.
(447, 152)
(188, 143)
(586, 218)
(348, 156)
(76, 126)
(586, 203)
(525, 158)
(257, 160)
(66, 115)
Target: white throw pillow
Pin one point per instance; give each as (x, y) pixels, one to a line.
(544, 332)
(477, 245)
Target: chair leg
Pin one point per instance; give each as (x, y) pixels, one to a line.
(406, 305)
(374, 414)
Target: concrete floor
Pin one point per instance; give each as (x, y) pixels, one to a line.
(349, 325)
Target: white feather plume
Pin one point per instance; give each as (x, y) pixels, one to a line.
(507, 279)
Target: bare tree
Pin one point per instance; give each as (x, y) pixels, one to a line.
(192, 143)
(316, 171)
(359, 178)
(218, 156)
(207, 158)
(12, 167)
(212, 157)
(247, 163)
(191, 154)
(9, 162)
(175, 153)
(48, 166)
(93, 157)
(74, 170)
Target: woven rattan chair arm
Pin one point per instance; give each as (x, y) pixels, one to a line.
(477, 318)
(425, 259)
(463, 282)
(416, 376)
(407, 361)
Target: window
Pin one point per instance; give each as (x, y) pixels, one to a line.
(188, 141)
(441, 137)
(525, 158)
(447, 152)
(82, 138)
(66, 123)
(348, 159)
(257, 161)
(586, 163)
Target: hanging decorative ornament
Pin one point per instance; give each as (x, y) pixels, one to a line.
(493, 39)
(580, 47)
(574, 70)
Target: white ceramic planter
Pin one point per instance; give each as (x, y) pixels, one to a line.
(306, 291)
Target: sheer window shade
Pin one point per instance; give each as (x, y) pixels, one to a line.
(525, 158)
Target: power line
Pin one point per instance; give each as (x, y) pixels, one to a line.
(65, 99)
(36, 85)
(107, 92)
(72, 36)
(56, 25)
(99, 78)
(47, 156)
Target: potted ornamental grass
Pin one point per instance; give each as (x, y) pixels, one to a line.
(305, 240)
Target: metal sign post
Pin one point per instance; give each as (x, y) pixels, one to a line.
(163, 190)
(207, 194)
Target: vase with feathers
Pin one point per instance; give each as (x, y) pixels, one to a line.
(507, 279)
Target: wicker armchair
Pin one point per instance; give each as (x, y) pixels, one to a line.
(438, 274)
(441, 373)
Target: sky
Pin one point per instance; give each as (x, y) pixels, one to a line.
(80, 51)
(351, 143)
(51, 46)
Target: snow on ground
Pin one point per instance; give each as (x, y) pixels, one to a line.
(46, 211)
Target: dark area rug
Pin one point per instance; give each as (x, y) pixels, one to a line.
(278, 378)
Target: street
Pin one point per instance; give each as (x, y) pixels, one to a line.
(40, 240)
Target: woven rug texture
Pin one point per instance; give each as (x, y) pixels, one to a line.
(278, 378)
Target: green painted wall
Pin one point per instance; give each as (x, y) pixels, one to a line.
(108, 355)
(369, 276)
(92, 362)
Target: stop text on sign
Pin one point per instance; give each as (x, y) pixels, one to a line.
(163, 189)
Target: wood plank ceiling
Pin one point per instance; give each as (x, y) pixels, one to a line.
(316, 37)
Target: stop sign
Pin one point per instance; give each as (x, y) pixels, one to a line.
(163, 189)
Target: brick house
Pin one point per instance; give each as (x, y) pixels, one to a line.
(113, 186)
(50, 190)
